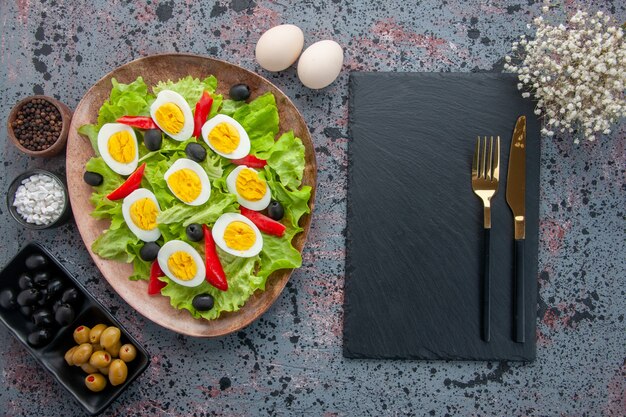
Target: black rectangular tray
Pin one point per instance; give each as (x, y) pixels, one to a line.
(89, 312)
(414, 226)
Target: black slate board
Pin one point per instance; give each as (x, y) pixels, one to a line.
(414, 233)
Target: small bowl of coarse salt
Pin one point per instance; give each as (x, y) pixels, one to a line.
(37, 199)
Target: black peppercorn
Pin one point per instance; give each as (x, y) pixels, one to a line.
(37, 125)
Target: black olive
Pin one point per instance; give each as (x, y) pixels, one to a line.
(152, 138)
(41, 279)
(25, 281)
(36, 261)
(44, 297)
(70, 296)
(202, 302)
(39, 337)
(64, 315)
(58, 303)
(92, 178)
(239, 92)
(275, 210)
(26, 310)
(27, 297)
(195, 152)
(7, 299)
(194, 232)
(149, 251)
(42, 317)
(55, 286)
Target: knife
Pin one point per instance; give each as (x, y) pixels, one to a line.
(516, 199)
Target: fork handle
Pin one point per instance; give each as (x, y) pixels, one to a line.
(486, 310)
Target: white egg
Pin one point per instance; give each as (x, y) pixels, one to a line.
(171, 112)
(190, 182)
(223, 235)
(182, 263)
(320, 64)
(117, 145)
(279, 47)
(140, 216)
(226, 126)
(231, 183)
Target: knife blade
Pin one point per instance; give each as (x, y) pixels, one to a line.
(516, 199)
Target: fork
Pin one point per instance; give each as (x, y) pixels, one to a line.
(485, 179)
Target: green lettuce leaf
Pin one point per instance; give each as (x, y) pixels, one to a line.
(295, 203)
(230, 106)
(213, 165)
(91, 131)
(242, 283)
(279, 253)
(116, 244)
(126, 100)
(183, 214)
(103, 207)
(287, 160)
(260, 120)
(261, 147)
(141, 268)
(154, 177)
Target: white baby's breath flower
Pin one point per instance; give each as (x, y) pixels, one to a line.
(575, 72)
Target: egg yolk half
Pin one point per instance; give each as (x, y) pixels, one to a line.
(143, 213)
(224, 137)
(121, 147)
(182, 265)
(239, 236)
(250, 186)
(170, 118)
(185, 184)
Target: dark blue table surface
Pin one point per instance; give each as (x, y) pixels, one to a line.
(289, 362)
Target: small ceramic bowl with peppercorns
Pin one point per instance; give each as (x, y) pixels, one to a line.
(38, 126)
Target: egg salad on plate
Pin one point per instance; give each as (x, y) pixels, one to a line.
(203, 195)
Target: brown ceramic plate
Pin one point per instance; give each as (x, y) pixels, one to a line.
(153, 69)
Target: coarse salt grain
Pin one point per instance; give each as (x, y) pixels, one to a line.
(39, 200)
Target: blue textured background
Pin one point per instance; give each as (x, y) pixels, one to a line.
(289, 362)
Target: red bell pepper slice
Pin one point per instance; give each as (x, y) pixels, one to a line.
(155, 285)
(131, 184)
(250, 161)
(264, 223)
(214, 272)
(203, 108)
(140, 122)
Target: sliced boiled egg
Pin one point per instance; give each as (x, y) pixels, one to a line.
(188, 181)
(226, 137)
(182, 263)
(117, 144)
(251, 190)
(171, 112)
(237, 235)
(140, 210)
